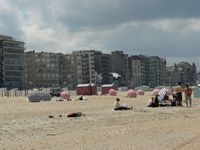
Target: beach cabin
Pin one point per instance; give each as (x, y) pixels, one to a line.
(86, 89)
(106, 87)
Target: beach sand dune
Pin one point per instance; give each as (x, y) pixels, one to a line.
(25, 125)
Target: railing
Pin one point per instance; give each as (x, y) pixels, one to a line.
(13, 93)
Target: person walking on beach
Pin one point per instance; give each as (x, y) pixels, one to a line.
(179, 94)
(188, 95)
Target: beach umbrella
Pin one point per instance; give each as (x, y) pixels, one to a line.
(162, 93)
(131, 93)
(155, 92)
(140, 92)
(65, 95)
(112, 92)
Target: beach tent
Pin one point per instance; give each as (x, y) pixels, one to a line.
(155, 91)
(64, 95)
(140, 92)
(37, 96)
(131, 93)
(162, 93)
(106, 87)
(112, 92)
(86, 89)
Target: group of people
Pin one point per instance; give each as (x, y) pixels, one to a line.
(177, 97)
(188, 95)
(154, 101)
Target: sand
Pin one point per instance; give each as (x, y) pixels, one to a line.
(25, 125)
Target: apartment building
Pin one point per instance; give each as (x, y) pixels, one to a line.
(119, 64)
(87, 66)
(137, 71)
(106, 69)
(12, 62)
(67, 71)
(42, 69)
(147, 70)
(156, 74)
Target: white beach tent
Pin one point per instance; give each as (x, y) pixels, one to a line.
(162, 93)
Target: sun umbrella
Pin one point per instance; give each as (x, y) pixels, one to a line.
(155, 92)
(131, 93)
(65, 95)
(140, 92)
(112, 92)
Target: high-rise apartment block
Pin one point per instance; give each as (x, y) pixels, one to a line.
(119, 64)
(87, 66)
(12, 63)
(146, 71)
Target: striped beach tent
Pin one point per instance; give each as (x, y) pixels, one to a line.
(162, 93)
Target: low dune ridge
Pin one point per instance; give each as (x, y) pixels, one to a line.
(25, 125)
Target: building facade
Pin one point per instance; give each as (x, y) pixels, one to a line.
(156, 74)
(106, 69)
(182, 72)
(42, 69)
(87, 66)
(12, 63)
(137, 71)
(119, 64)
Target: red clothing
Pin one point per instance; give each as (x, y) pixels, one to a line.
(188, 91)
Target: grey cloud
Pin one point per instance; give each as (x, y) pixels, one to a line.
(100, 24)
(10, 25)
(97, 14)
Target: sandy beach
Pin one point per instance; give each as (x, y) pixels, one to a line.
(25, 125)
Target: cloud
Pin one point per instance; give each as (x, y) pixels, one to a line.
(157, 27)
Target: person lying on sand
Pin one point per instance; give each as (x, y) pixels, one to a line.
(118, 106)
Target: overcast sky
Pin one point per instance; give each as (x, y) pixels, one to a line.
(167, 28)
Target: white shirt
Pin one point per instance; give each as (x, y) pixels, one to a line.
(117, 104)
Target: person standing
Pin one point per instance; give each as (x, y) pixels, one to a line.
(179, 94)
(188, 95)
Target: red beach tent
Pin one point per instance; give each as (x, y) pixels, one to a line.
(86, 89)
(106, 87)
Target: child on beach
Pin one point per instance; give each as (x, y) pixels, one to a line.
(118, 106)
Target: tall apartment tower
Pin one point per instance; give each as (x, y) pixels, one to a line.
(119, 64)
(156, 74)
(106, 69)
(87, 66)
(137, 71)
(12, 62)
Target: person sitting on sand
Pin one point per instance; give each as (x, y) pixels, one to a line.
(119, 106)
(80, 98)
(153, 102)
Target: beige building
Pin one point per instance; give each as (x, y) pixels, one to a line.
(137, 76)
(42, 69)
(87, 66)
